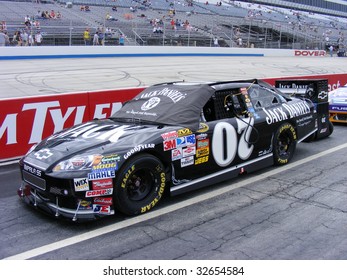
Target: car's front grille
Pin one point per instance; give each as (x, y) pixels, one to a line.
(33, 180)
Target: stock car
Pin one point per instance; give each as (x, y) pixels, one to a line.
(338, 105)
(172, 137)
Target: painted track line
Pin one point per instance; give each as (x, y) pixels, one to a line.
(165, 210)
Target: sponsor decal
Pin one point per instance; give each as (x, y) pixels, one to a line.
(94, 131)
(32, 170)
(203, 127)
(189, 151)
(81, 184)
(78, 162)
(202, 152)
(176, 154)
(184, 132)
(43, 154)
(322, 95)
(304, 120)
(138, 148)
(338, 108)
(169, 135)
(101, 175)
(201, 160)
(102, 184)
(201, 136)
(187, 161)
(309, 53)
(110, 158)
(105, 167)
(173, 94)
(84, 204)
(103, 200)
(185, 141)
(150, 104)
(286, 111)
(203, 143)
(102, 209)
(103, 192)
(169, 144)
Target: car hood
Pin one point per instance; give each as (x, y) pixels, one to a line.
(91, 138)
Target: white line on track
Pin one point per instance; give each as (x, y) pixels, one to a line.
(145, 217)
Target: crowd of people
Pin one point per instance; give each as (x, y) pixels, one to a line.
(32, 34)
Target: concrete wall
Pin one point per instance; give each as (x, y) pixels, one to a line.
(41, 52)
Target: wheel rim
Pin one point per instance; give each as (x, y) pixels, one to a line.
(284, 144)
(140, 184)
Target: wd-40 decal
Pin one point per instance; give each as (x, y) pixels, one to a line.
(225, 144)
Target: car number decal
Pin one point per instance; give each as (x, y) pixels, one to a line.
(225, 144)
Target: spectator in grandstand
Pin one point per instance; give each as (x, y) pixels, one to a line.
(38, 38)
(3, 25)
(331, 50)
(2, 39)
(17, 39)
(52, 14)
(27, 20)
(215, 42)
(31, 40)
(239, 42)
(86, 37)
(101, 37)
(24, 37)
(96, 39)
(109, 17)
(172, 24)
(121, 39)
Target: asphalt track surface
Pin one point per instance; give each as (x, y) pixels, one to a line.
(24, 78)
(298, 211)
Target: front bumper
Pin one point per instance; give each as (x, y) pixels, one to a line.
(338, 116)
(31, 196)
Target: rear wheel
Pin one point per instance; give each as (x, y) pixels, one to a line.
(284, 144)
(140, 184)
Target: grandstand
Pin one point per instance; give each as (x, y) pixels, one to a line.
(260, 24)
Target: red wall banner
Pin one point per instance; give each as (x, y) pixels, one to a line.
(26, 121)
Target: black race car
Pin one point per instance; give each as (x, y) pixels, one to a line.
(173, 136)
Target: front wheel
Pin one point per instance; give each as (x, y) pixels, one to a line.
(140, 184)
(284, 144)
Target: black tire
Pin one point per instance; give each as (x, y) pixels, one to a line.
(284, 144)
(139, 185)
(331, 128)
